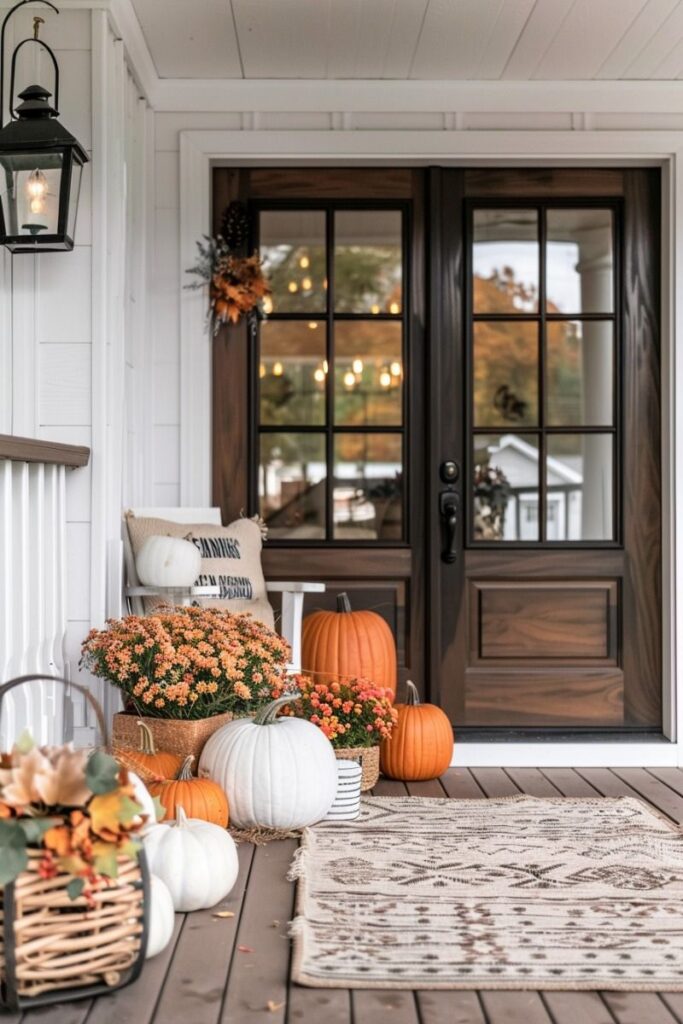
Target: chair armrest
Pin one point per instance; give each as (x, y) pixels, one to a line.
(294, 588)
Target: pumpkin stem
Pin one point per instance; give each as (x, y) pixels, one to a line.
(266, 716)
(180, 816)
(343, 603)
(146, 739)
(412, 696)
(185, 773)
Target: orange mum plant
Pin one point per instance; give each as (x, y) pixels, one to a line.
(189, 663)
(351, 713)
(77, 807)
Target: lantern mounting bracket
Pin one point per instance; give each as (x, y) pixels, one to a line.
(30, 39)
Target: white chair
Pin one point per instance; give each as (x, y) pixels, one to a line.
(292, 593)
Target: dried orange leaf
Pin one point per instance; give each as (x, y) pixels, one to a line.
(245, 949)
(272, 1006)
(223, 913)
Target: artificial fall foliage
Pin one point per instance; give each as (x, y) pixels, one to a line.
(77, 807)
(236, 283)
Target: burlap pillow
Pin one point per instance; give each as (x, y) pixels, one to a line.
(231, 560)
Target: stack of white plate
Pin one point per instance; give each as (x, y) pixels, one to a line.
(346, 804)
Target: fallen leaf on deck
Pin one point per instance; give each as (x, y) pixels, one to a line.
(275, 924)
(223, 913)
(245, 949)
(272, 1006)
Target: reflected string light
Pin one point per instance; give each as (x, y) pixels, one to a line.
(267, 305)
(278, 369)
(313, 325)
(357, 366)
(385, 379)
(394, 307)
(395, 369)
(293, 287)
(307, 284)
(304, 262)
(374, 308)
(262, 370)
(349, 379)
(319, 375)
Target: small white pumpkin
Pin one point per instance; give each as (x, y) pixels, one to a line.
(276, 772)
(159, 917)
(196, 859)
(168, 562)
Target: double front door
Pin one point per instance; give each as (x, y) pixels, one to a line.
(452, 412)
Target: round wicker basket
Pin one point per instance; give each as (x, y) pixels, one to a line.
(369, 762)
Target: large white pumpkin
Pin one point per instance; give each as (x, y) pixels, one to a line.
(196, 859)
(276, 772)
(168, 562)
(159, 917)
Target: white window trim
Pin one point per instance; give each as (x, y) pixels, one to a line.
(200, 150)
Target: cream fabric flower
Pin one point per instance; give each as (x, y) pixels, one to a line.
(54, 776)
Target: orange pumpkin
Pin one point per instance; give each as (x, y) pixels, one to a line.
(199, 798)
(421, 744)
(146, 760)
(349, 644)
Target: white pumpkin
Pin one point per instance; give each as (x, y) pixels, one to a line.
(159, 917)
(196, 859)
(168, 562)
(276, 772)
(145, 799)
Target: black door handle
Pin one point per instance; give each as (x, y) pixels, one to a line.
(449, 505)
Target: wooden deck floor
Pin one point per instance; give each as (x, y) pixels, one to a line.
(235, 970)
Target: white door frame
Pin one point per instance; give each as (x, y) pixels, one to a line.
(202, 149)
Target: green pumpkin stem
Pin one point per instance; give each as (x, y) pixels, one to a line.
(146, 739)
(185, 773)
(412, 696)
(266, 716)
(343, 603)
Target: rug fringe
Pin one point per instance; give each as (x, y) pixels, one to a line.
(298, 865)
(261, 836)
(296, 927)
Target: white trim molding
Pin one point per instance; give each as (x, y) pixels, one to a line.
(200, 150)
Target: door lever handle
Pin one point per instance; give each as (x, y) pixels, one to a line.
(449, 505)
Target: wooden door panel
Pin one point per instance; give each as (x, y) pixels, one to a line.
(544, 698)
(543, 621)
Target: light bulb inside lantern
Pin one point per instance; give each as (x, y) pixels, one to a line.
(349, 379)
(385, 379)
(278, 369)
(357, 366)
(37, 205)
(36, 186)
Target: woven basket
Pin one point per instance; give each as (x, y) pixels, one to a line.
(53, 948)
(171, 735)
(369, 762)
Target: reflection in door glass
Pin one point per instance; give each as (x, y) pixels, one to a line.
(368, 373)
(292, 247)
(505, 487)
(368, 263)
(368, 487)
(580, 373)
(579, 276)
(505, 373)
(505, 261)
(579, 471)
(292, 485)
(292, 372)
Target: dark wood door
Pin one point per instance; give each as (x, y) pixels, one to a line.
(318, 415)
(547, 373)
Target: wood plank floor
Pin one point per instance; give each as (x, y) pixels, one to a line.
(235, 970)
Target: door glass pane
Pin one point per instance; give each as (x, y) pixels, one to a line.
(579, 480)
(505, 261)
(580, 261)
(368, 265)
(292, 372)
(368, 487)
(580, 373)
(505, 487)
(292, 484)
(292, 246)
(368, 375)
(505, 373)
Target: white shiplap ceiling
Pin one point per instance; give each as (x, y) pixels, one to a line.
(415, 39)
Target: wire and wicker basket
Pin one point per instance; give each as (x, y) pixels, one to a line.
(55, 948)
(368, 757)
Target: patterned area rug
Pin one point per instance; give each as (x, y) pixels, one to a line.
(512, 893)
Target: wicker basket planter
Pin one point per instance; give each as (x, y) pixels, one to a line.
(175, 735)
(369, 762)
(53, 948)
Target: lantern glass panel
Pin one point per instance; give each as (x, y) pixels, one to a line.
(30, 191)
(74, 192)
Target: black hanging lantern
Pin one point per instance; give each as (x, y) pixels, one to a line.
(40, 162)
